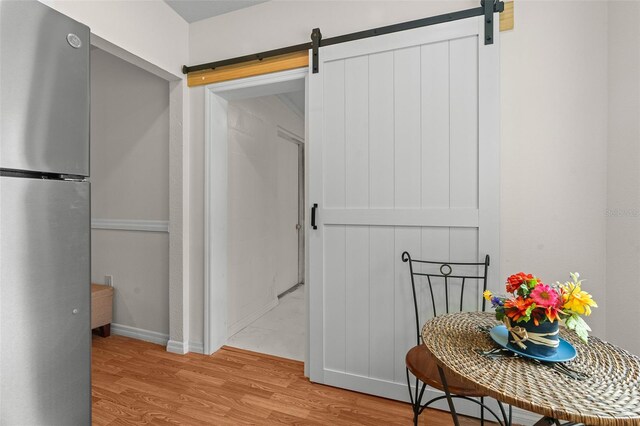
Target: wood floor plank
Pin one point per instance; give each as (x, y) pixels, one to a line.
(139, 383)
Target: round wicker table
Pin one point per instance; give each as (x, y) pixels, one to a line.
(609, 394)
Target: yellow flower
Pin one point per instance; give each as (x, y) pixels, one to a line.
(487, 295)
(577, 300)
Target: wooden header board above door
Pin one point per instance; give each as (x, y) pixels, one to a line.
(249, 69)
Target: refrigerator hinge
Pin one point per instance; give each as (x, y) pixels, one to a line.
(73, 178)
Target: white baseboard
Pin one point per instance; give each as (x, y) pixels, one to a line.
(177, 347)
(140, 334)
(239, 325)
(197, 347)
(173, 346)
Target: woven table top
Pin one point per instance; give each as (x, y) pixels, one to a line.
(610, 395)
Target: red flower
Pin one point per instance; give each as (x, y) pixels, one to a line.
(516, 308)
(552, 313)
(514, 281)
(539, 314)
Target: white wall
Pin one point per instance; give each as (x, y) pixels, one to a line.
(257, 157)
(554, 141)
(623, 185)
(554, 123)
(130, 180)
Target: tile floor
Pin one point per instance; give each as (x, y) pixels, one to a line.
(280, 332)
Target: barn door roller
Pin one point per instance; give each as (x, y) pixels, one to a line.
(487, 9)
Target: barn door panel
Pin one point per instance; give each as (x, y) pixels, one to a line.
(401, 157)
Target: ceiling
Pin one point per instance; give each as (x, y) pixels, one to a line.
(196, 10)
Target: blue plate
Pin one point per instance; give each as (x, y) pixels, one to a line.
(566, 351)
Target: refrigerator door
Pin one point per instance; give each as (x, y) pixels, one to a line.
(45, 302)
(44, 90)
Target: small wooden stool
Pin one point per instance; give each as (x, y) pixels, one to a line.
(101, 309)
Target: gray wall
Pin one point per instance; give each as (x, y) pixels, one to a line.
(130, 181)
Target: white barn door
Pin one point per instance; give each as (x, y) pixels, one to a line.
(403, 155)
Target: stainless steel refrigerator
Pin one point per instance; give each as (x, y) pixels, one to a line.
(45, 289)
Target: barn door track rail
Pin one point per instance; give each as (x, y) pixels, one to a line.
(487, 8)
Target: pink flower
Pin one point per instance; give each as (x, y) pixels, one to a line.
(544, 296)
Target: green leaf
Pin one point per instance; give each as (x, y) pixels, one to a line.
(523, 290)
(530, 309)
(579, 326)
(582, 333)
(527, 315)
(570, 322)
(582, 323)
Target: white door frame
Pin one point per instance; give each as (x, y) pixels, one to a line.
(216, 190)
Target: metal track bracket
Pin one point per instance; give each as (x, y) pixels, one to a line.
(316, 37)
(490, 6)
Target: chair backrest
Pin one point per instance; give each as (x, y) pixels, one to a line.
(444, 274)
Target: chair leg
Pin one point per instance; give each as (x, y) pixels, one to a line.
(452, 408)
(506, 416)
(416, 407)
(416, 400)
(507, 421)
(482, 411)
(412, 398)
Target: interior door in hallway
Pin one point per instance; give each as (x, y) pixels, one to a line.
(403, 155)
(288, 206)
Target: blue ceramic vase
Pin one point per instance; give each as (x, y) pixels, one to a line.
(538, 349)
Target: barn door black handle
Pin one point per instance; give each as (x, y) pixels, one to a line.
(313, 216)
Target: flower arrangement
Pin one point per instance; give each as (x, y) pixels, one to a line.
(532, 301)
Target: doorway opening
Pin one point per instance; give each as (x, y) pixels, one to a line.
(255, 262)
(265, 233)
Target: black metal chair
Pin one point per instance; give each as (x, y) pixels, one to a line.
(419, 360)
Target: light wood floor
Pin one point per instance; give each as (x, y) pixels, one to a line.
(136, 383)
